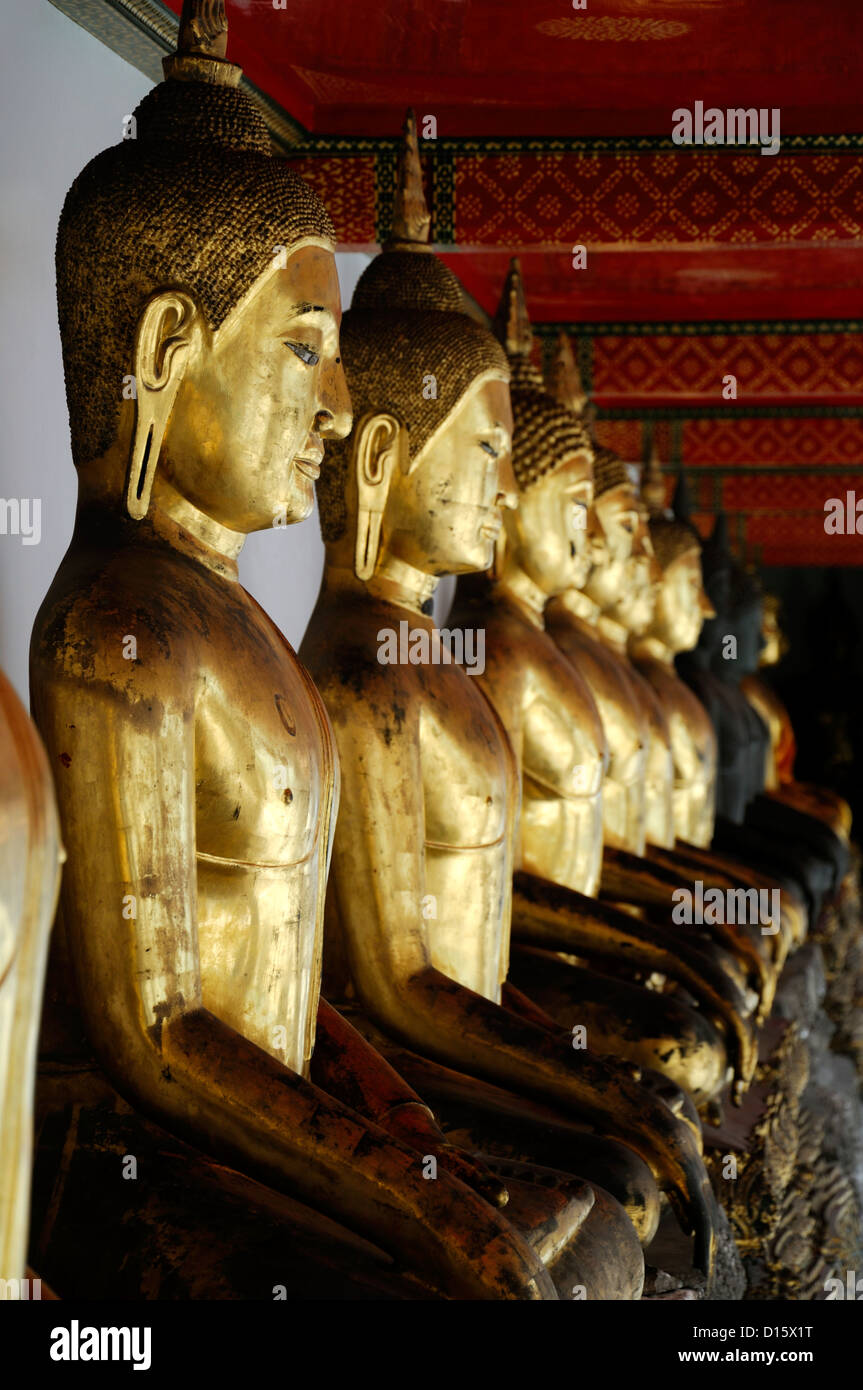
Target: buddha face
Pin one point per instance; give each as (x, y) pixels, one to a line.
(772, 635)
(258, 399)
(624, 572)
(681, 603)
(444, 514)
(548, 534)
(637, 603)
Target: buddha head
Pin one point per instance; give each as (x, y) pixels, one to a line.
(774, 639)
(426, 475)
(624, 576)
(199, 306)
(621, 573)
(549, 536)
(681, 603)
(731, 642)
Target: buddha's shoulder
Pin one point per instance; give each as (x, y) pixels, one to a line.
(105, 615)
(352, 655)
(589, 656)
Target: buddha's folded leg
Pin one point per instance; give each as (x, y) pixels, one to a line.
(121, 1210)
(626, 1020)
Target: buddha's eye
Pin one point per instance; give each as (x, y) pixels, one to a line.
(489, 448)
(305, 353)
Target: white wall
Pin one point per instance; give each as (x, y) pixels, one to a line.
(63, 98)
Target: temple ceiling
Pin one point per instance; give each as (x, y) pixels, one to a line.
(553, 132)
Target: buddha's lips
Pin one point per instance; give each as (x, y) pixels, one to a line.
(309, 468)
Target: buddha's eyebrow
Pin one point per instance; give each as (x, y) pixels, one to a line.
(299, 310)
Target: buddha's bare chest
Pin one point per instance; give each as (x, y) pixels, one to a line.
(622, 720)
(261, 764)
(467, 766)
(687, 719)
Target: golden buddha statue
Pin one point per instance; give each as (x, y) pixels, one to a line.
(787, 1232)
(781, 754)
(680, 609)
(419, 896)
(30, 859)
(594, 627)
(837, 930)
(779, 779)
(196, 769)
(560, 747)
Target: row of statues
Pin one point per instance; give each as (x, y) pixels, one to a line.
(365, 979)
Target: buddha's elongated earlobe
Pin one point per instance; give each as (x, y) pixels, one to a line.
(162, 347)
(376, 452)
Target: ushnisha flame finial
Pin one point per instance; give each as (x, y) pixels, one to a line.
(564, 378)
(653, 484)
(202, 42)
(411, 220)
(203, 29)
(511, 322)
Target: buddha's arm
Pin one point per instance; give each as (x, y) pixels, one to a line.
(127, 774)
(549, 911)
(345, 1065)
(544, 914)
(650, 883)
(719, 871)
(378, 880)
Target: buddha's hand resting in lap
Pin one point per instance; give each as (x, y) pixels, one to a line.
(415, 1125)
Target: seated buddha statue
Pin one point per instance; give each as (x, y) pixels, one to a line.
(764, 1227)
(195, 766)
(591, 625)
(779, 769)
(680, 611)
(779, 779)
(560, 747)
(419, 897)
(838, 931)
(30, 859)
(711, 669)
(752, 827)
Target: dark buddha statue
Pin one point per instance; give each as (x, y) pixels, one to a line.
(714, 669)
(755, 828)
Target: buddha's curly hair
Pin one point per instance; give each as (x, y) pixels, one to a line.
(609, 470)
(672, 538)
(407, 351)
(545, 435)
(196, 202)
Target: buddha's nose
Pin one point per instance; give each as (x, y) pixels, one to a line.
(507, 486)
(595, 534)
(598, 539)
(706, 606)
(654, 571)
(335, 417)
